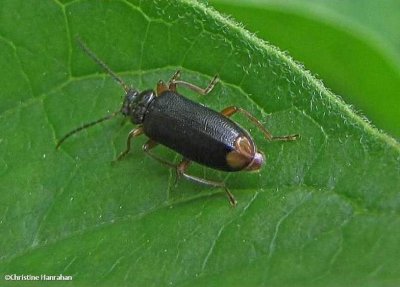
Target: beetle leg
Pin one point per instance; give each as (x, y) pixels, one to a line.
(181, 171)
(229, 111)
(133, 133)
(151, 144)
(174, 78)
(175, 81)
(204, 181)
(161, 87)
(181, 168)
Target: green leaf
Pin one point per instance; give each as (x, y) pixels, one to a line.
(323, 211)
(352, 46)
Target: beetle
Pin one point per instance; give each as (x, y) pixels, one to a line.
(196, 132)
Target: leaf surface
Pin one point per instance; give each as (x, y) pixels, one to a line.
(323, 211)
(353, 47)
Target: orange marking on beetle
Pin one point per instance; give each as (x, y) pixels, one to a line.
(244, 156)
(161, 87)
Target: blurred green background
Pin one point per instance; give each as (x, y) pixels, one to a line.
(352, 46)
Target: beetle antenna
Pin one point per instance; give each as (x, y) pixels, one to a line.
(94, 57)
(85, 126)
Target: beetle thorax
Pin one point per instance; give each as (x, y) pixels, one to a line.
(135, 105)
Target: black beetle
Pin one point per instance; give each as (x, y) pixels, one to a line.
(196, 132)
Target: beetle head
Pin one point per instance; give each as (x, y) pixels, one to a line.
(135, 104)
